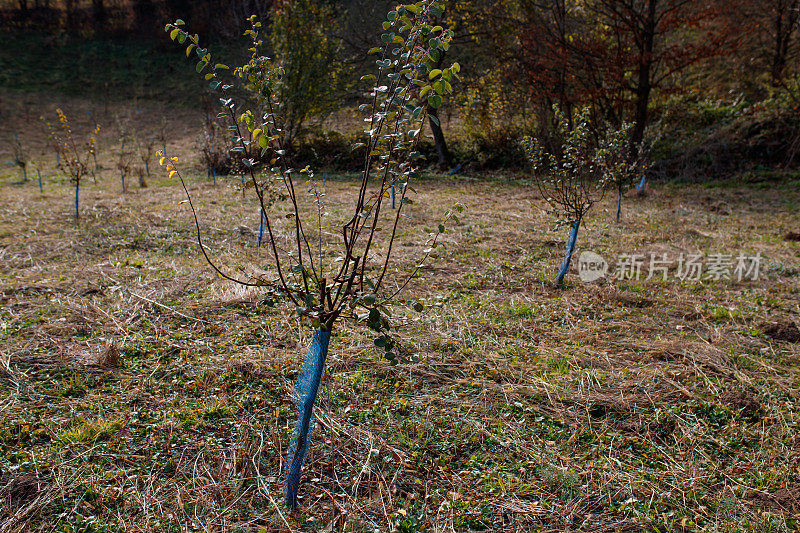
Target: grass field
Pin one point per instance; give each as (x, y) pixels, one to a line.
(620, 405)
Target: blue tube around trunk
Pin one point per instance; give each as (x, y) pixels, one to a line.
(573, 236)
(77, 192)
(242, 186)
(122, 175)
(392, 189)
(261, 227)
(619, 203)
(58, 159)
(39, 174)
(305, 394)
(640, 187)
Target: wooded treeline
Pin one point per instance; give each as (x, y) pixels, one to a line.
(666, 63)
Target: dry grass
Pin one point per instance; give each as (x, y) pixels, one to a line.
(616, 406)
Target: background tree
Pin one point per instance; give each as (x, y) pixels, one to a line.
(74, 156)
(308, 75)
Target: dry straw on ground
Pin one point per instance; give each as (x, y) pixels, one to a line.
(616, 406)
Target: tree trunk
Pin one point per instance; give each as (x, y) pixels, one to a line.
(786, 16)
(99, 16)
(77, 195)
(573, 237)
(305, 394)
(644, 81)
(69, 7)
(443, 155)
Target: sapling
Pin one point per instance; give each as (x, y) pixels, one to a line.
(332, 270)
(73, 156)
(162, 136)
(618, 162)
(38, 170)
(20, 159)
(126, 153)
(96, 167)
(51, 141)
(145, 151)
(215, 147)
(570, 178)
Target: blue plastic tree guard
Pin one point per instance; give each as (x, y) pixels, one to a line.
(261, 227)
(305, 394)
(640, 187)
(573, 236)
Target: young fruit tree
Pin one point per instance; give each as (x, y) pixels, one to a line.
(623, 166)
(125, 155)
(145, 151)
(330, 269)
(574, 175)
(73, 156)
(20, 159)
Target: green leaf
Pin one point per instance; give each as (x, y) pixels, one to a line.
(441, 228)
(189, 49)
(200, 66)
(418, 307)
(174, 33)
(221, 66)
(435, 72)
(434, 101)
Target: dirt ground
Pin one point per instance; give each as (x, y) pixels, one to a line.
(141, 392)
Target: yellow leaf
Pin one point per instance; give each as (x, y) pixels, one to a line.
(161, 161)
(173, 173)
